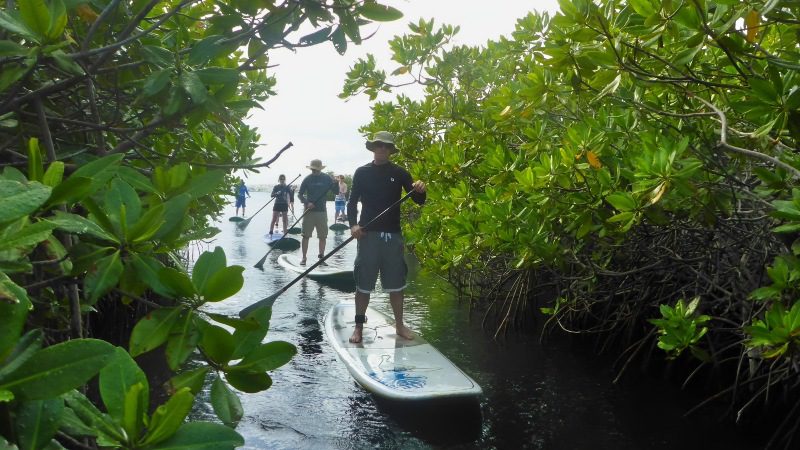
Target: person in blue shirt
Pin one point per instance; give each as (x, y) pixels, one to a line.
(241, 191)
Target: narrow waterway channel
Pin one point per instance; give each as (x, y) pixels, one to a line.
(536, 396)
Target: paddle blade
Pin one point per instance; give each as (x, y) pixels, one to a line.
(243, 224)
(264, 303)
(260, 263)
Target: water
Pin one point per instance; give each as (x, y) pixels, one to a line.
(535, 396)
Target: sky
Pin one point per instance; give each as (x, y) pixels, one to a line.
(307, 110)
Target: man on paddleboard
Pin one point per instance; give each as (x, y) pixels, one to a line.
(312, 194)
(241, 191)
(377, 186)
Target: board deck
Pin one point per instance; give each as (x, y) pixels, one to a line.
(393, 367)
(322, 273)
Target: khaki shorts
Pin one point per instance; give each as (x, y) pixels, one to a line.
(318, 220)
(380, 252)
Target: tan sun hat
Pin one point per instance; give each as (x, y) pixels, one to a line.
(383, 137)
(316, 164)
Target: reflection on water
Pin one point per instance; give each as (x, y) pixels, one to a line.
(534, 397)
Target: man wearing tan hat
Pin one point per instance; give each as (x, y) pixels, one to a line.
(379, 185)
(312, 193)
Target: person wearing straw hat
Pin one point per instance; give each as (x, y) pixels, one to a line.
(378, 185)
(312, 194)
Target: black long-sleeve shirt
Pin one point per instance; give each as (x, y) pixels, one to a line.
(378, 186)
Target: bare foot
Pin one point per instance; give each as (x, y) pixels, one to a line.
(404, 332)
(356, 337)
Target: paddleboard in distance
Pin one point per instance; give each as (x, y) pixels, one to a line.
(328, 273)
(236, 219)
(338, 227)
(287, 243)
(392, 367)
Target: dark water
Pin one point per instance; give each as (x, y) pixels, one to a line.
(535, 396)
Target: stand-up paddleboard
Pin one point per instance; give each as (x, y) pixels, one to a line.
(287, 243)
(331, 274)
(392, 367)
(236, 219)
(339, 227)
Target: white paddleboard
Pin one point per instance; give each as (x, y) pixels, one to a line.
(393, 367)
(323, 273)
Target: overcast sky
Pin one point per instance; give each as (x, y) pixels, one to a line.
(308, 112)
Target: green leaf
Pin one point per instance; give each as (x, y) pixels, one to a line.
(11, 24)
(14, 307)
(158, 56)
(193, 379)
(316, 37)
(223, 284)
(216, 343)
(74, 223)
(156, 82)
(173, 217)
(218, 75)
(182, 341)
(205, 50)
(379, 13)
(202, 436)
(206, 183)
(18, 199)
(168, 417)
(147, 269)
(339, 41)
(147, 225)
(153, 330)
(54, 174)
(176, 282)
(117, 378)
(622, 201)
(249, 382)
(83, 417)
(193, 86)
(70, 191)
(36, 16)
(207, 264)
(100, 170)
(58, 19)
(102, 277)
(266, 357)
(134, 414)
(28, 236)
(37, 422)
(644, 8)
(58, 369)
(35, 165)
(26, 347)
(226, 403)
(245, 340)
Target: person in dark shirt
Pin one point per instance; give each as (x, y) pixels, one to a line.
(284, 199)
(241, 191)
(377, 186)
(312, 194)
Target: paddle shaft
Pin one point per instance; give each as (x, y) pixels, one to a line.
(260, 262)
(271, 298)
(247, 221)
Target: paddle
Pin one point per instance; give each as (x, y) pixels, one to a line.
(244, 223)
(271, 299)
(260, 263)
